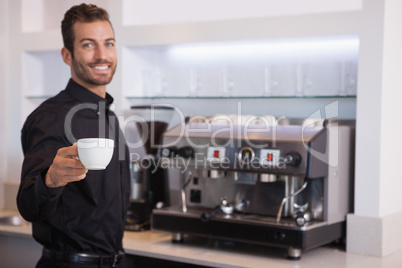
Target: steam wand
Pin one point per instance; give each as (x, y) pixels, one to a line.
(278, 216)
(183, 192)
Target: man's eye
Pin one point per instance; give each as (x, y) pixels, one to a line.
(110, 44)
(88, 45)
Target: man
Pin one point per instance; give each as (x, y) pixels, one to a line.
(78, 215)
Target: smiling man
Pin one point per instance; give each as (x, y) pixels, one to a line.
(78, 215)
(93, 61)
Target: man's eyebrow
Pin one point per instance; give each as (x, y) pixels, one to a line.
(86, 39)
(93, 40)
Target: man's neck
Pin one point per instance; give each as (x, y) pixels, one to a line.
(99, 90)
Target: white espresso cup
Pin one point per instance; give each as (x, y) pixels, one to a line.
(95, 153)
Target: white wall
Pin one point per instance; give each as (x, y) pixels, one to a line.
(4, 85)
(391, 136)
(378, 177)
(368, 136)
(374, 227)
(13, 103)
(138, 12)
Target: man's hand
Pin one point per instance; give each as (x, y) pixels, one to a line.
(65, 168)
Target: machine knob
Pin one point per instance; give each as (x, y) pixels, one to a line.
(186, 152)
(169, 151)
(300, 220)
(246, 155)
(292, 159)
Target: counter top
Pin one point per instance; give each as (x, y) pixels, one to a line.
(203, 251)
(225, 254)
(24, 230)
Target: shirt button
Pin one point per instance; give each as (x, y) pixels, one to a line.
(43, 196)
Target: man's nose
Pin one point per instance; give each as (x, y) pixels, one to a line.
(100, 52)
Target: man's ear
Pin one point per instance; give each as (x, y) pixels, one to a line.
(67, 57)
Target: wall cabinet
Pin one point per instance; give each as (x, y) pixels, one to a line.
(230, 56)
(263, 68)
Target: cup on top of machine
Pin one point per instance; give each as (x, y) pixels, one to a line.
(95, 153)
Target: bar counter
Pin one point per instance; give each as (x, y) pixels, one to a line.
(205, 252)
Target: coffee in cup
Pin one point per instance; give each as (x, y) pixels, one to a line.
(95, 153)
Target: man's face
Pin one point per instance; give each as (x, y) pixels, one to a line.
(94, 60)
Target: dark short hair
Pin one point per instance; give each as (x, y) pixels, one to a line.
(80, 13)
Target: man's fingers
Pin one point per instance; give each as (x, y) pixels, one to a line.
(68, 157)
(68, 162)
(57, 176)
(65, 168)
(67, 171)
(68, 152)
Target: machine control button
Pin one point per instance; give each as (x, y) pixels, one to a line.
(292, 159)
(216, 154)
(269, 157)
(246, 155)
(186, 152)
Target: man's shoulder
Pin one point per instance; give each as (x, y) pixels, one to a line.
(51, 109)
(59, 103)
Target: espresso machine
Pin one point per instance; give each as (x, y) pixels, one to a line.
(144, 126)
(286, 185)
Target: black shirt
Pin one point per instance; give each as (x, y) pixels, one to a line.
(84, 216)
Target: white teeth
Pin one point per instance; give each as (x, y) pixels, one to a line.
(101, 67)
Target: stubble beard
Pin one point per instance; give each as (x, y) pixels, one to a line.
(82, 72)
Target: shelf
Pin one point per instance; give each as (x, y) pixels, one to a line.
(238, 97)
(38, 97)
(212, 97)
(306, 66)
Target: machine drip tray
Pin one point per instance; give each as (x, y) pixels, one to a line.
(242, 218)
(252, 229)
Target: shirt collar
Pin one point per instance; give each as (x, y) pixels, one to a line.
(85, 95)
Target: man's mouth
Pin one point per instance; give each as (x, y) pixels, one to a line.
(101, 68)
